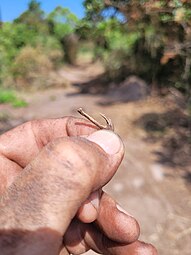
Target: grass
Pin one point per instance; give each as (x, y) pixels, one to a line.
(10, 97)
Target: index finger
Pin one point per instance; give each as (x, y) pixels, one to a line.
(21, 144)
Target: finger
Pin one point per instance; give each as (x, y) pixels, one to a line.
(81, 237)
(61, 178)
(23, 143)
(88, 211)
(111, 219)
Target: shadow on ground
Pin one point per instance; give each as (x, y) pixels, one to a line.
(172, 128)
(95, 86)
(187, 177)
(130, 90)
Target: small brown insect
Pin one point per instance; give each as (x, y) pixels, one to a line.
(108, 126)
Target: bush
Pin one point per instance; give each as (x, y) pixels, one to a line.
(12, 38)
(29, 64)
(26, 54)
(50, 46)
(33, 68)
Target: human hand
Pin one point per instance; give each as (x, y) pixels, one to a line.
(57, 169)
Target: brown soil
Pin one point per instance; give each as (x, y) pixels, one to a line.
(156, 191)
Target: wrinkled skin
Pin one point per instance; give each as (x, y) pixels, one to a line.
(51, 171)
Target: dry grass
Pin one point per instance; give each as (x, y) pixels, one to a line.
(35, 69)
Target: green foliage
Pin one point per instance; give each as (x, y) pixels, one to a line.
(62, 22)
(148, 38)
(13, 37)
(151, 38)
(33, 42)
(9, 96)
(16, 37)
(62, 25)
(116, 38)
(33, 18)
(93, 10)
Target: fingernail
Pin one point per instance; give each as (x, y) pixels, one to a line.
(107, 140)
(94, 199)
(122, 210)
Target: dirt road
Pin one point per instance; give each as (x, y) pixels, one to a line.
(151, 191)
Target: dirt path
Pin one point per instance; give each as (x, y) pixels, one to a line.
(158, 197)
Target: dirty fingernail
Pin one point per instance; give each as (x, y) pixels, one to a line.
(107, 140)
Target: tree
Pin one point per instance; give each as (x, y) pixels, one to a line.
(62, 22)
(33, 18)
(161, 53)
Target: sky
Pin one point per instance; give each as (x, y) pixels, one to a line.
(11, 9)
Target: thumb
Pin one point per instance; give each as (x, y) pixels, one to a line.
(51, 189)
(110, 143)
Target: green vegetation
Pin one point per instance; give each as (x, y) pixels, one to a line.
(147, 38)
(9, 96)
(32, 46)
